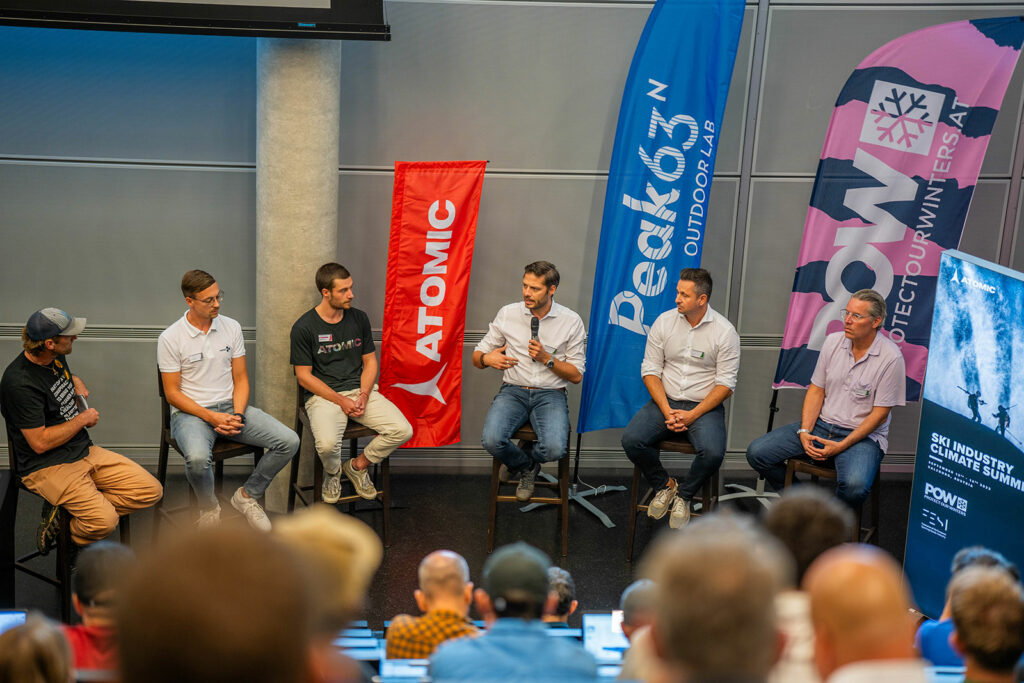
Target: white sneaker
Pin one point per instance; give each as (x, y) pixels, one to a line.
(680, 515)
(662, 499)
(251, 510)
(360, 479)
(331, 489)
(208, 518)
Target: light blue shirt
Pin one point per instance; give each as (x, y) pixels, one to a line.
(513, 650)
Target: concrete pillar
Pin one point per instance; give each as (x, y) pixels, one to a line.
(298, 102)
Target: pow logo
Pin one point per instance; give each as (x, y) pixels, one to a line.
(901, 117)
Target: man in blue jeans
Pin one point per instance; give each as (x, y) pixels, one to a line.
(202, 366)
(689, 368)
(538, 345)
(859, 377)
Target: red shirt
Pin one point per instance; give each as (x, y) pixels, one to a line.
(94, 647)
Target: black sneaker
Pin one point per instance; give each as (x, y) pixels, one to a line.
(49, 528)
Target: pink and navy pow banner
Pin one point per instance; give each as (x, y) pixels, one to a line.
(433, 228)
(659, 182)
(897, 172)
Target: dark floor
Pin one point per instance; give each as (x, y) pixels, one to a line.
(450, 511)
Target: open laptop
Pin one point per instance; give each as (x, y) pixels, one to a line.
(603, 636)
(9, 618)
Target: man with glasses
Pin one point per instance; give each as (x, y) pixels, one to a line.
(47, 416)
(202, 366)
(859, 377)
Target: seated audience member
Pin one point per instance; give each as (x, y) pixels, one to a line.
(101, 568)
(638, 604)
(202, 369)
(342, 554)
(562, 585)
(220, 605)
(932, 639)
(444, 597)
(716, 585)
(35, 652)
(863, 631)
(988, 612)
(513, 598)
(807, 521)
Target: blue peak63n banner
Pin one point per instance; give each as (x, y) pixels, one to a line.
(658, 187)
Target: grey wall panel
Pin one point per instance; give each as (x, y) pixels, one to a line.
(111, 244)
(127, 95)
(778, 209)
(522, 219)
(524, 86)
(810, 54)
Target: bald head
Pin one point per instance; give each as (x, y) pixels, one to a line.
(443, 573)
(859, 607)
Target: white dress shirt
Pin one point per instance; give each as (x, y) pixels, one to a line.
(561, 333)
(691, 361)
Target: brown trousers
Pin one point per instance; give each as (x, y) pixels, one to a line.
(96, 491)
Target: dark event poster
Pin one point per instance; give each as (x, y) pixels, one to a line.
(969, 472)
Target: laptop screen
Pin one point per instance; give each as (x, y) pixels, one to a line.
(603, 636)
(9, 618)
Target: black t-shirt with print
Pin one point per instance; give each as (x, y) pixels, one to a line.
(33, 396)
(335, 351)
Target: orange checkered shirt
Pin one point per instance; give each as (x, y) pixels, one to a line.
(417, 637)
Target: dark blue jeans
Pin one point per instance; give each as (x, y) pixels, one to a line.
(546, 409)
(855, 467)
(647, 428)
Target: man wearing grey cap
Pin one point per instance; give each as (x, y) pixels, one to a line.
(46, 414)
(517, 646)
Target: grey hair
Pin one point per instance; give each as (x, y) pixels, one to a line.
(876, 300)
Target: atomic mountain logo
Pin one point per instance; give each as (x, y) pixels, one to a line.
(901, 117)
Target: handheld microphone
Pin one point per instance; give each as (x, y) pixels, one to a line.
(535, 330)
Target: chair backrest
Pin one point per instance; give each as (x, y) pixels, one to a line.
(165, 407)
(11, 459)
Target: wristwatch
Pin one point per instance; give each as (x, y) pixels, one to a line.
(551, 363)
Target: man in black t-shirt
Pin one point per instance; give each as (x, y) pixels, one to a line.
(45, 410)
(336, 365)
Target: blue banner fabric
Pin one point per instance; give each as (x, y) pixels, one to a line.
(658, 187)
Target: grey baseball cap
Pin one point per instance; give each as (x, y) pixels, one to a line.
(52, 322)
(517, 573)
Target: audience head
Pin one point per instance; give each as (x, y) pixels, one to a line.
(101, 569)
(515, 583)
(638, 603)
(859, 608)
(980, 556)
(808, 520)
(988, 614)
(35, 652)
(341, 552)
(240, 598)
(716, 584)
(444, 582)
(561, 584)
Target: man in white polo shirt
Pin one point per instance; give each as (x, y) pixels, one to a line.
(689, 368)
(539, 347)
(202, 367)
(859, 377)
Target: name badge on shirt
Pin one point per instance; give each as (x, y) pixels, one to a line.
(195, 357)
(696, 354)
(325, 337)
(862, 392)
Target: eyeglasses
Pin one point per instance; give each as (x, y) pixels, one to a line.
(210, 299)
(857, 317)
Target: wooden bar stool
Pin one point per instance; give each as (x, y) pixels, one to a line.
(61, 579)
(353, 432)
(827, 470)
(526, 434)
(223, 449)
(637, 505)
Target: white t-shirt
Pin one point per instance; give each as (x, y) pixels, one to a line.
(203, 359)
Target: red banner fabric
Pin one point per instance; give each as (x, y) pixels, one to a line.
(430, 253)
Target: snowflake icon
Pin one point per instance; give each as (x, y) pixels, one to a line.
(902, 117)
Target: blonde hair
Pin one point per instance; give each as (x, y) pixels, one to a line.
(35, 652)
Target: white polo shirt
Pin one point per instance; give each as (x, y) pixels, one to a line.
(203, 359)
(561, 332)
(691, 361)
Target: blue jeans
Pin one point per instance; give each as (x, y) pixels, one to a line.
(546, 409)
(855, 467)
(195, 438)
(706, 434)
